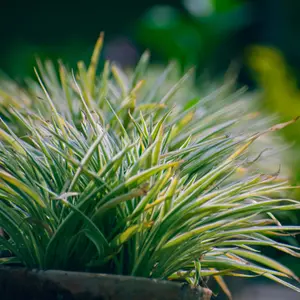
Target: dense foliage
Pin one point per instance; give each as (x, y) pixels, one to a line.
(119, 175)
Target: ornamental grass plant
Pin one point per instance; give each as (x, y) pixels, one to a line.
(120, 175)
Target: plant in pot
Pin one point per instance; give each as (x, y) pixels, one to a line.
(111, 175)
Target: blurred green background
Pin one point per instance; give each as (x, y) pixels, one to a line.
(207, 33)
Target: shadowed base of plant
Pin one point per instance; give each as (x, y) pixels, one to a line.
(20, 283)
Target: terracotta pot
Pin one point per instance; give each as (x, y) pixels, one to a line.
(20, 283)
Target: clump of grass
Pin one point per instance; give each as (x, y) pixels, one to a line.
(109, 176)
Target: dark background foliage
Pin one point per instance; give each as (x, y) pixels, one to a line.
(170, 28)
